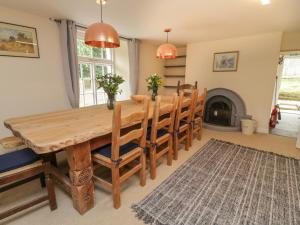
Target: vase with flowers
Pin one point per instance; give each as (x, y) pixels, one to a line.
(110, 83)
(154, 82)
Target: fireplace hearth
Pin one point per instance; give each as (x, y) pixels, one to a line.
(223, 110)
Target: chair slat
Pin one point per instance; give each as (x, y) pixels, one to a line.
(166, 109)
(23, 207)
(164, 123)
(20, 170)
(132, 118)
(130, 136)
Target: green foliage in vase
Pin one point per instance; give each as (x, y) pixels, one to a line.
(154, 82)
(110, 83)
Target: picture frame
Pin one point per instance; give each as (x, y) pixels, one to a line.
(18, 41)
(226, 61)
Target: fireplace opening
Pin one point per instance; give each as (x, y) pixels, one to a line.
(224, 110)
(219, 111)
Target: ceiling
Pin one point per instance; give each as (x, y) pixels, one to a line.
(191, 20)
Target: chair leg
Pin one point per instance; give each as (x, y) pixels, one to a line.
(187, 140)
(51, 192)
(143, 169)
(175, 147)
(116, 189)
(191, 135)
(170, 151)
(153, 163)
(199, 133)
(42, 180)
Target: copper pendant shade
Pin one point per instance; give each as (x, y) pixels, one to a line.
(167, 50)
(102, 35)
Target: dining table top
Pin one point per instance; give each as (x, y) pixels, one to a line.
(50, 132)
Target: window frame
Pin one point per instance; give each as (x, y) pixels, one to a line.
(93, 62)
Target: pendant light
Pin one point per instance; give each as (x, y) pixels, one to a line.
(167, 50)
(102, 35)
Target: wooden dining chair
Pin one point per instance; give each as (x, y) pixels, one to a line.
(160, 134)
(17, 166)
(182, 123)
(124, 150)
(186, 88)
(197, 115)
(138, 98)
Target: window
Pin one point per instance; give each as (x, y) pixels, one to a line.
(291, 66)
(92, 63)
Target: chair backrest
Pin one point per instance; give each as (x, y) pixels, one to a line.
(186, 88)
(199, 104)
(184, 109)
(138, 98)
(137, 133)
(163, 115)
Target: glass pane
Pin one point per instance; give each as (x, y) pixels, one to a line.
(99, 71)
(102, 53)
(103, 69)
(86, 70)
(97, 53)
(83, 49)
(107, 54)
(87, 86)
(291, 67)
(81, 86)
(79, 66)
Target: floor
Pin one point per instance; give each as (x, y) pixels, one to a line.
(104, 213)
(289, 124)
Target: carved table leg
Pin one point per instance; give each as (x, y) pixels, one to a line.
(82, 186)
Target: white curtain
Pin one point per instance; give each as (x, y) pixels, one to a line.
(133, 51)
(68, 38)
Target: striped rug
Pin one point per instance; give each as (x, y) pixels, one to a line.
(225, 183)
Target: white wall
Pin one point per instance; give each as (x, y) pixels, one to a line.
(29, 86)
(254, 81)
(122, 69)
(149, 64)
(290, 41)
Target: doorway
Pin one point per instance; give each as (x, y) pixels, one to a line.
(287, 95)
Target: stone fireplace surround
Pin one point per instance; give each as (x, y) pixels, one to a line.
(238, 108)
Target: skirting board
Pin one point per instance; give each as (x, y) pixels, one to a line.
(262, 130)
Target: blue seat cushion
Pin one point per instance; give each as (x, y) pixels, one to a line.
(17, 159)
(106, 150)
(160, 133)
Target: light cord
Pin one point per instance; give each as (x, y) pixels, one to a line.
(101, 11)
(167, 37)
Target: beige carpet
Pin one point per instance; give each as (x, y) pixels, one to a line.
(103, 212)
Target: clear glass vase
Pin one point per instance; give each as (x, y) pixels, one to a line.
(111, 101)
(154, 94)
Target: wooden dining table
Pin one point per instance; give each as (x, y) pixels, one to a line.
(78, 132)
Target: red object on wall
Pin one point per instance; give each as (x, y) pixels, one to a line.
(273, 119)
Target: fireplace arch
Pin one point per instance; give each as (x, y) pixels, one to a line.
(224, 110)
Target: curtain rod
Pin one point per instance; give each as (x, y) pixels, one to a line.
(85, 27)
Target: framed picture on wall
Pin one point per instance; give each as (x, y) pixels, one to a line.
(226, 61)
(18, 41)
